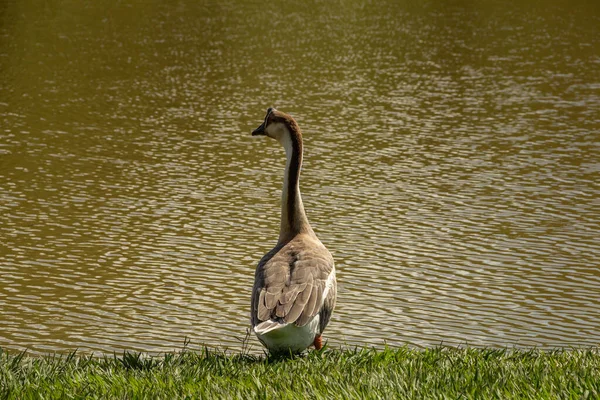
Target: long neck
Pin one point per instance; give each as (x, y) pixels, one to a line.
(293, 216)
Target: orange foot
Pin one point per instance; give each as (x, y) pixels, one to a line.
(318, 343)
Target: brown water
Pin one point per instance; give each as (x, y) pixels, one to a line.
(452, 167)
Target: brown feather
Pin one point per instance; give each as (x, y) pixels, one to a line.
(263, 311)
(294, 274)
(271, 299)
(311, 305)
(294, 312)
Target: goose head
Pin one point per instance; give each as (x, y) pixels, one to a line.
(277, 125)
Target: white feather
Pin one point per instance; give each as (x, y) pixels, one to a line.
(328, 284)
(285, 337)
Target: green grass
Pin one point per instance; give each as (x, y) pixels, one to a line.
(362, 373)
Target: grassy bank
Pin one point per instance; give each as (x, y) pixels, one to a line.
(393, 373)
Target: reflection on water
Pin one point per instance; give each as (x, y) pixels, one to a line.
(451, 167)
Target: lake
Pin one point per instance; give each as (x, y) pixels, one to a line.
(452, 167)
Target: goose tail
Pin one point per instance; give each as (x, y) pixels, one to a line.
(268, 326)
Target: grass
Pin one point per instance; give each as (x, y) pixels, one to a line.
(437, 373)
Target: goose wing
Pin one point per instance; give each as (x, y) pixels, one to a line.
(294, 283)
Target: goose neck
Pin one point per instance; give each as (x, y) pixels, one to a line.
(293, 216)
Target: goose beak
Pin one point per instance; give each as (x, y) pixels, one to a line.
(259, 131)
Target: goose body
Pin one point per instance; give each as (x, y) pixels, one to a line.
(294, 285)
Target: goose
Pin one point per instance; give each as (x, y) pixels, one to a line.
(295, 287)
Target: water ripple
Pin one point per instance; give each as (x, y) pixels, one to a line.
(451, 166)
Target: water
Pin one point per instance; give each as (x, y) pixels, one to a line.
(452, 157)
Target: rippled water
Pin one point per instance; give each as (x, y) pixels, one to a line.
(452, 167)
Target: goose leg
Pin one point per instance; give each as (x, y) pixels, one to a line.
(318, 343)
